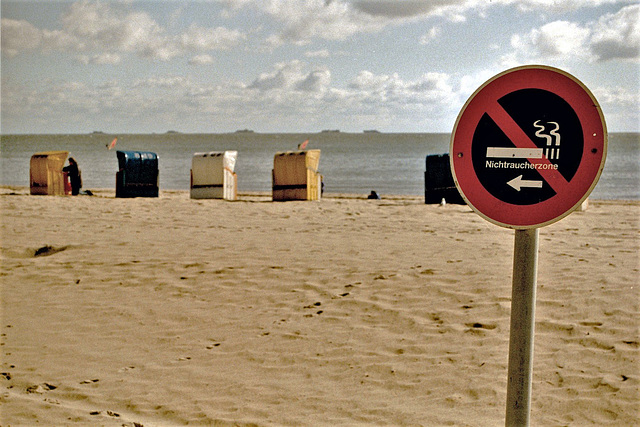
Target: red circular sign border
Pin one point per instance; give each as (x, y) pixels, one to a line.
(557, 207)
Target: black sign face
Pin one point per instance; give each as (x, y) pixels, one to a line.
(507, 172)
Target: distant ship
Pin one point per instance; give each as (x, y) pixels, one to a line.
(371, 131)
(244, 131)
(330, 131)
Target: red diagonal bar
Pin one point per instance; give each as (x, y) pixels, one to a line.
(521, 140)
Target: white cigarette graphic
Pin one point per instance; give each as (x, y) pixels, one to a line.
(514, 153)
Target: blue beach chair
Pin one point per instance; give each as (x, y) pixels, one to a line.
(138, 174)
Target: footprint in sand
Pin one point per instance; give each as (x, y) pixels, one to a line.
(477, 326)
(33, 252)
(109, 413)
(48, 250)
(41, 388)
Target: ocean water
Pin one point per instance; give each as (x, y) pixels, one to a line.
(391, 164)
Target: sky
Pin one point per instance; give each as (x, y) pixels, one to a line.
(298, 65)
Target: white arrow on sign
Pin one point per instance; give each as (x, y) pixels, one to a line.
(519, 183)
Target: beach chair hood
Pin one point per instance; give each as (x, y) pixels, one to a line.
(137, 175)
(213, 176)
(45, 173)
(295, 175)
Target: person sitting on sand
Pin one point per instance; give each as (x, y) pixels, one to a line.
(373, 196)
(74, 176)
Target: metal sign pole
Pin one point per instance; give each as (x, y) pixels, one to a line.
(523, 303)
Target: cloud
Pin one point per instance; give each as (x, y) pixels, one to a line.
(367, 81)
(303, 21)
(619, 96)
(291, 76)
(387, 100)
(391, 89)
(101, 26)
(205, 39)
(18, 36)
(553, 40)
(613, 36)
(201, 60)
(555, 6)
(322, 53)
(432, 34)
(114, 29)
(620, 106)
(403, 9)
(163, 82)
(618, 35)
(316, 81)
(291, 94)
(101, 59)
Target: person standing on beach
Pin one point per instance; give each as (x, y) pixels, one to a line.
(74, 176)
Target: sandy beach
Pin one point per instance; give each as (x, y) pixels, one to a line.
(170, 311)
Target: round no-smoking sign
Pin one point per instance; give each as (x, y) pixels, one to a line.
(528, 147)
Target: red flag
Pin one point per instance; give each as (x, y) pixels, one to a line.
(303, 145)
